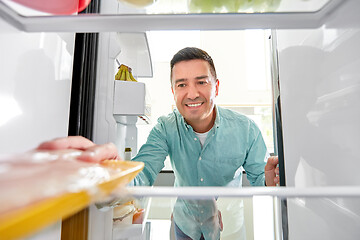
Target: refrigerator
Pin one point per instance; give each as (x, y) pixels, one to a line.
(57, 79)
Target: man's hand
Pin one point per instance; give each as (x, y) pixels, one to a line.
(90, 152)
(272, 171)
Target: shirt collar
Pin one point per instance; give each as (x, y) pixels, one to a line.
(217, 118)
(188, 126)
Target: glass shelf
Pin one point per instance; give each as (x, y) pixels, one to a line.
(120, 16)
(151, 7)
(249, 212)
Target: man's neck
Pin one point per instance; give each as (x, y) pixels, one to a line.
(205, 125)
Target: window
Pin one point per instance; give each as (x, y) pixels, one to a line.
(242, 63)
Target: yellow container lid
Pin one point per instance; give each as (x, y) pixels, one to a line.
(45, 210)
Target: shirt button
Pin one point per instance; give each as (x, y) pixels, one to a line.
(199, 158)
(202, 211)
(201, 179)
(201, 224)
(195, 139)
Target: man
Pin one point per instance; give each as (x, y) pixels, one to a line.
(200, 136)
(207, 145)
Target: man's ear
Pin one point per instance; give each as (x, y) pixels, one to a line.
(172, 89)
(217, 87)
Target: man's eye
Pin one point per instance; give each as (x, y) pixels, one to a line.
(181, 85)
(202, 82)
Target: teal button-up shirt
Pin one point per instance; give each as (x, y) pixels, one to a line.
(234, 141)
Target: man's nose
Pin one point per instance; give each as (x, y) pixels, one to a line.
(192, 92)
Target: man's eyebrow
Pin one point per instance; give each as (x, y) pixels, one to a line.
(201, 77)
(197, 78)
(180, 80)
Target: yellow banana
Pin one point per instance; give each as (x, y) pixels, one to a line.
(124, 74)
(118, 74)
(127, 74)
(132, 77)
(123, 77)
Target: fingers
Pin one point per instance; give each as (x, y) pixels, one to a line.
(71, 142)
(273, 160)
(276, 179)
(271, 163)
(98, 153)
(90, 151)
(272, 171)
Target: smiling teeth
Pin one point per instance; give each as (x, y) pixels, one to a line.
(194, 105)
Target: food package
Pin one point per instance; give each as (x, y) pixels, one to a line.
(123, 214)
(232, 6)
(41, 187)
(138, 3)
(127, 213)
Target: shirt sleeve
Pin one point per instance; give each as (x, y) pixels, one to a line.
(153, 154)
(256, 158)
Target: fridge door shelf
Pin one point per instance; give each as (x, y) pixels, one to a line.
(130, 100)
(134, 52)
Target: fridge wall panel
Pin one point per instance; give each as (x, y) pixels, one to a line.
(320, 95)
(35, 84)
(104, 122)
(131, 49)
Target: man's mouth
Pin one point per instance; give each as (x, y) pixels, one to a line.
(193, 104)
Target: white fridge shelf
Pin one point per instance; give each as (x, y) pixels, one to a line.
(140, 22)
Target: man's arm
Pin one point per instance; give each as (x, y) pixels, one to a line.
(256, 158)
(260, 169)
(153, 154)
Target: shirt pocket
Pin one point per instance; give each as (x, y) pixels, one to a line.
(227, 164)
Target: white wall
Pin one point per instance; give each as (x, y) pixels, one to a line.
(320, 95)
(35, 83)
(240, 58)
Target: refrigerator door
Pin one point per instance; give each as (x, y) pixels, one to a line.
(320, 89)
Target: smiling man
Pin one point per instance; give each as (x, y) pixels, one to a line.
(207, 145)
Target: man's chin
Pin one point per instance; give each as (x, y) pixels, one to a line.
(191, 118)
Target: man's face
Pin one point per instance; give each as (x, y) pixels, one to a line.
(194, 90)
